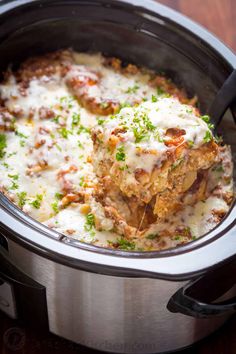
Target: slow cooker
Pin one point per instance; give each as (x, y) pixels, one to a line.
(113, 300)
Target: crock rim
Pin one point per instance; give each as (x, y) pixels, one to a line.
(192, 27)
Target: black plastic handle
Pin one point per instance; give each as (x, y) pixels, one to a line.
(197, 299)
(224, 98)
(182, 303)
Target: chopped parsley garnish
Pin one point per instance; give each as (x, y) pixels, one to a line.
(178, 237)
(158, 137)
(101, 121)
(206, 118)
(189, 110)
(120, 155)
(160, 91)
(75, 119)
(123, 168)
(80, 145)
(83, 129)
(142, 126)
(140, 134)
(92, 233)
(149, 124)
(187, 230)
(152, 236)
(190, 143)
(210, 126)
(22, 143)
(3, 145)
(132, 89)
(58, 196)
(36, 203)
(55, 207)
(90, 222)
(64, 132)
(14, 185)
(21, 199)
(177, 163)
(58, 147)
(56, 119)
(12, 154)
(5, 164)
(67, 101)
(219, 168)
(82, 183)
(154, 98)
(15, 177)
(122, 105)
(218, 139)
(207, 137)
(62, 99)
(124, 244)
(21, 135)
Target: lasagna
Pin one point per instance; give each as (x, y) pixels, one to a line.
(110, 154)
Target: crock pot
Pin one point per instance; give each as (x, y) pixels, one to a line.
(113, 300)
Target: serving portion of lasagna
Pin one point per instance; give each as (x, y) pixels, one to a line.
(110, 154)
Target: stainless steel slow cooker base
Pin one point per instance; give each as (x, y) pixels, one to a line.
(110, 313)
(111, 300)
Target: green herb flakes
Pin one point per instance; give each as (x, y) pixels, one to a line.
(22, 143)
(140, 134)
(101, 121)
(14, 177)
(90, 222)
(5, 164)
(154, 98)
(56, 119)
(21, 135)
(75, 119)
(190, 143)
(160, 91)
(64, 132)
(208, 137)
(3, 145)
(123, 168)
(152, 236)
(205, 118)
(21, 199)
(83, 129)
(14, 185)
(178, 238)
(132, 89)
(55, 207)
(120, 155)
(124, 244)
(219, 168)
(36, 203)
(58, 196)
(177, 163)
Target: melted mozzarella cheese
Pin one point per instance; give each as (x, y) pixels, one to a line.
(161, 115)
(64, 158)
